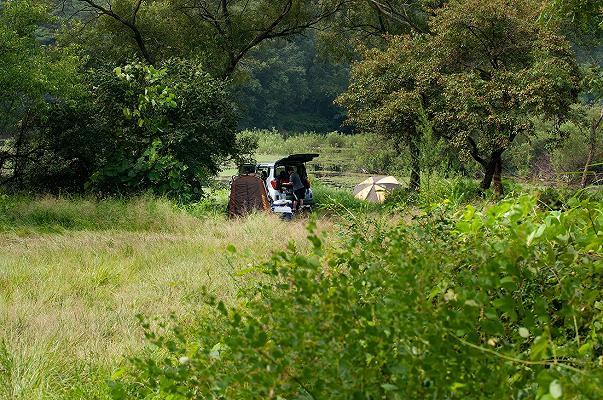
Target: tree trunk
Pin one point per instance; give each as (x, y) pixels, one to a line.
(589, 159)
(19, 160)
(493, 173)
(488, 175)
(497, 177)
(592, 144)
(415, 166)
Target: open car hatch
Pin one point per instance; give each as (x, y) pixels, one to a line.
(296, 159)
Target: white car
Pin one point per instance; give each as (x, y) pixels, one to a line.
(273, 174)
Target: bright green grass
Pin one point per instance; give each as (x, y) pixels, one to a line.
(69, 299)
(23, 215)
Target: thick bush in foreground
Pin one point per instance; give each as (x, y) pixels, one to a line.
(500, 304)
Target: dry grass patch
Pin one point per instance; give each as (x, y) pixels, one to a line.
(68, 301)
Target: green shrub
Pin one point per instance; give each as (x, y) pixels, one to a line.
(338, 202)
(503, 303)
(436, 189)
(139, 129)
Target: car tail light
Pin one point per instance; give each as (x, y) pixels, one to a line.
(274, 184)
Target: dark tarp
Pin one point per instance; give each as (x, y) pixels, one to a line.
(247, 193)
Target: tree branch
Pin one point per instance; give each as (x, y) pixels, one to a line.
(389, 11)
(130, 24)
(475, 152)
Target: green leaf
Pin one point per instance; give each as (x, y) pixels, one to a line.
(118, 373)
(536, 234)
(539, 347)
(388, 387)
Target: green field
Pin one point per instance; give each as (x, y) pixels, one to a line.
(69, 296)
(76, 272)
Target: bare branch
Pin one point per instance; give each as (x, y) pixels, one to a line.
(130, 24)
(391, 12)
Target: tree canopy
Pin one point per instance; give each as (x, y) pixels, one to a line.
(220, 33)
(480, 76)
(470, 73)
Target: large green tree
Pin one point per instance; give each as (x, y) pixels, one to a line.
(367, 23)
(32, 76)
(496, 68)
(219, 32)
(481, 75)
(383, 98)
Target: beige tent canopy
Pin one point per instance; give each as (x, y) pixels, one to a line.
(375, 188)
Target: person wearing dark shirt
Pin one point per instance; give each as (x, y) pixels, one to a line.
(299, 189)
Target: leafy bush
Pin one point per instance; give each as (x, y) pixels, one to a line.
(455, 191)
(502, 303)
(166, 130)
(338, 202)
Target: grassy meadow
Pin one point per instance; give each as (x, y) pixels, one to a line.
(74, 273)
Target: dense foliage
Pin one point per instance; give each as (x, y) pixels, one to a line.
(139, 128)
(220, 33)
(500, 303)
(478, 80)
(291, 87)
(31, 77)
(447, 83)
(575, 16)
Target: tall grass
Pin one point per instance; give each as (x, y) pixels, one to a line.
(273, 142)
(56, 214)
(69, 300)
